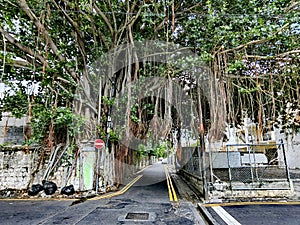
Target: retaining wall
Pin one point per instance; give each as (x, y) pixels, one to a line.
(16, 167)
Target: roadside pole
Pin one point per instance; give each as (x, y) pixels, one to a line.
(99, 144)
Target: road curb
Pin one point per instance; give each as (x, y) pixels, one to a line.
(120, 192)
(207, 216)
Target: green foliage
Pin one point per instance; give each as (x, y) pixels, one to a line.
(17, 104)
(107, 101)
(113, 136)
(145, 108)
(101, 132)
(221, 33)
(142, 150)
(63, 121)
(236, 66)
(68, 157)
(40, 123)
(161, 150)
(250, 44)
(229, 24)
(248, 91)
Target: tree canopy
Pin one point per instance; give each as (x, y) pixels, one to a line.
(250, 47)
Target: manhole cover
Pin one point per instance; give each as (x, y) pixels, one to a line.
(137, 216)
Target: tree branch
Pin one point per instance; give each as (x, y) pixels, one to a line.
(275, 56)
(46, 35)
(41, 28)
(293, 5)
(105, 19)
(113, 15)
(128, 23)
(18, 63)
(23, 48)
(79, 36)
(75, 26)
(254, 41)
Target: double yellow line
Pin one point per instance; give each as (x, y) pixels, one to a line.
(171, 190)
(122, 191)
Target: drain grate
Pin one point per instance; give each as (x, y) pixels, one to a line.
(137, 216)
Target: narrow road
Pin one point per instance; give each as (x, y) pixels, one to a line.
(150, 200)
(152, 187)
(146, 202)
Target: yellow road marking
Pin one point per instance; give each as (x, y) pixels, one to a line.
(144, 169)
(249, 203)
(171, 190)
(122, 191)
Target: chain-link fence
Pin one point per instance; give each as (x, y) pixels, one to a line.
(191, 161)
(256, 166)
(239, 166)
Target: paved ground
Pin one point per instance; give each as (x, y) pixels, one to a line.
(262, 214)
(147, 202)
(28, 212)
(283, 211)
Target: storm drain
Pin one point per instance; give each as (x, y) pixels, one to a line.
(137, 216)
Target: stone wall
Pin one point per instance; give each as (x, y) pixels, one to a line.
(195, 182)
(16, 167)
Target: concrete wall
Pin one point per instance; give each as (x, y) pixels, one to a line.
(293, 151)
(11, 129)
(292, 147)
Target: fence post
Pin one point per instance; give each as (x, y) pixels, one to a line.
(286, 163)
(251, 167)
(203, 158)
(229, 168)
(199, 162)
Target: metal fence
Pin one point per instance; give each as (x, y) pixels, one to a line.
(240, 166)
(257, 166)
(191, 161)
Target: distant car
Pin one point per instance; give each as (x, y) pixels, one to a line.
(160, 158)
(164, 161)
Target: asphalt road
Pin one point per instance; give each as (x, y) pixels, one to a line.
(146, 202)
(259, 213)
